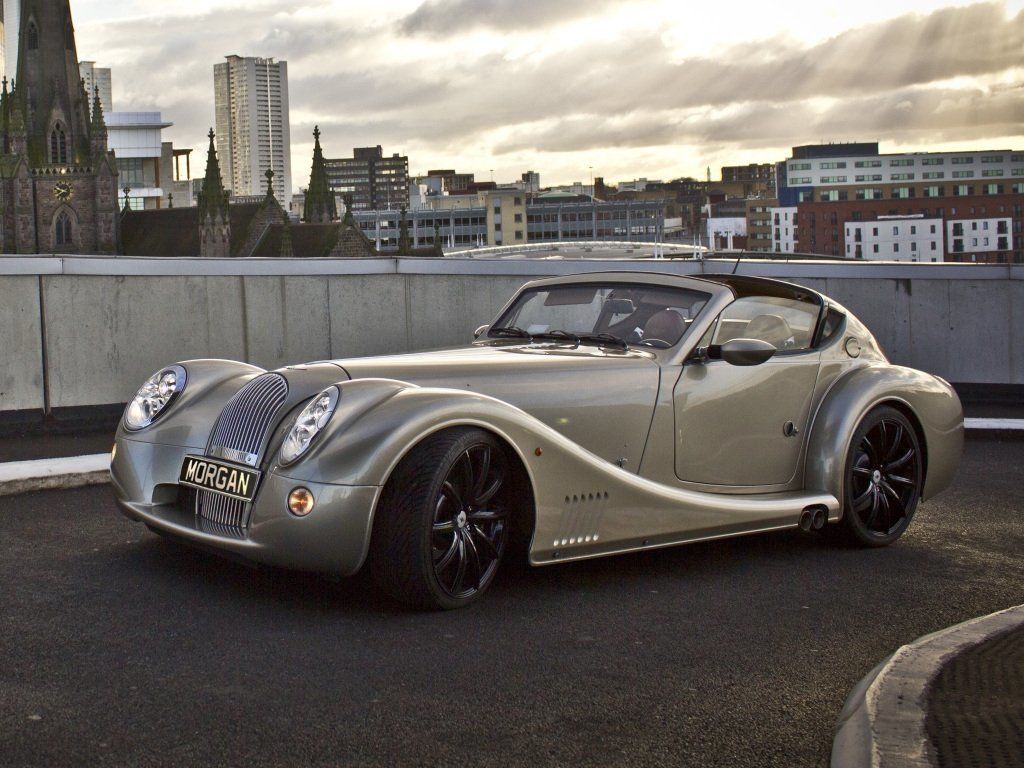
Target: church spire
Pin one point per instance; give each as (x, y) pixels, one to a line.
(320, 206)
(98, 130)
(213, 200)
(214, 214)
(49, 93)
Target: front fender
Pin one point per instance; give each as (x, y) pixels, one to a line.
(932, 401)
(190, 418)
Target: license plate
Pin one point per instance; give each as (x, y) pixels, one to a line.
(219, 477)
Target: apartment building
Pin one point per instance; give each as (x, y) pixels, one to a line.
(896, 238)
(253, 125)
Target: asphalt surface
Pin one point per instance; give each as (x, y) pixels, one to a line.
(120, 648)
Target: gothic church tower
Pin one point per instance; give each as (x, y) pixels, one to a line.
(59, 179)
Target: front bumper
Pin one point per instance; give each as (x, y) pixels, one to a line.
(334, 538)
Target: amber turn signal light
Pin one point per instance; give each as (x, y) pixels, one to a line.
(300, 502)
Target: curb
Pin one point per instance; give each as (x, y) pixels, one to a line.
(42, 474)
(882, 724)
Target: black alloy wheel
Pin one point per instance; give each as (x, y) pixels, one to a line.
(470, 524)
(883, 478)
(443, 522)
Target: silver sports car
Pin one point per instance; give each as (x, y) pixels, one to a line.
(597, 414)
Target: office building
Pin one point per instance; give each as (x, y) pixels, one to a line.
(252, 125)
(97, 78)
(375, 182)
(506, 217)
(135, 138)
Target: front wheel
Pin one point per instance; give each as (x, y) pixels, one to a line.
(884, 470)
(442, 524)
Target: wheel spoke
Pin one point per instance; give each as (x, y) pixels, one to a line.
(487, 515)
(481, 472)
(445, 561)
(865, 471)
(445, 526)
(460, 572)
(889, 490)
(860, 503)
(456, 498)
(894, 444)
(901, 480)
(902, 460)
(474, 558)
(869, 448)
(489, 549)
(874, 507)
(489, 493)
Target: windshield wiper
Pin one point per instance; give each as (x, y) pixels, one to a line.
(604, 340)
(558, 335)
(510, 332)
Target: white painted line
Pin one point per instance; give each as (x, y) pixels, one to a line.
(40, 474)
(75, 465)
(1011, 424)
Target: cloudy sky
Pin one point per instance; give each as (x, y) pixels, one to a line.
(631, 88)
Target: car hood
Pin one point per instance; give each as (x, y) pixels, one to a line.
(601, 398)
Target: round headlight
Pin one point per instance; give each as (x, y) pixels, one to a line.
(307, 426)
(154, 397)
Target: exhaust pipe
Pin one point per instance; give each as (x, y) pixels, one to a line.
(820, 517)
(806, 520)
(813, 519)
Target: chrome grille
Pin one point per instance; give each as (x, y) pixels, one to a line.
(220, 515)
(247, 418)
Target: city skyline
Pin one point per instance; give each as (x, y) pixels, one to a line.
(625, 89)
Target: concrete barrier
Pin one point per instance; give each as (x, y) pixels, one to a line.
(85, 331)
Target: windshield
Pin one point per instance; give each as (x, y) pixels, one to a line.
(650, 315)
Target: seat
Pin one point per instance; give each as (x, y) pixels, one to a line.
(771, 328)
(667, 326)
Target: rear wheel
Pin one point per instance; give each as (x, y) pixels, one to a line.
(884, 469)
(442, 524)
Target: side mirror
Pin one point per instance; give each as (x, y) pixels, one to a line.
(480, 331)
(742, 351)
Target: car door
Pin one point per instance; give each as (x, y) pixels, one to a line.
(746, 425)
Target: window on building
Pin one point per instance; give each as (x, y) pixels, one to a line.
(933, 161)
(993, 172)
(519, 234)
(868, 164)
(831, 166)
(913, 246)
(63, 235)
(32, 36)
(962, 160)
(901, 162)
(895, 247)
(903, 177)
(963, 174)
(913, 229)
(895, 231)
(58, 145)
(519, 218)
(963, 190)
(874, 248)
(992, 159)
(933, 175)
(932, 245)
(902, 193)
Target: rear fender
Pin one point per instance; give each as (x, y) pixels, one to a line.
(932, 402)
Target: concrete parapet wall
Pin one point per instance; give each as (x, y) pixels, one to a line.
(109, 323)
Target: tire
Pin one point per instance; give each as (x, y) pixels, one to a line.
(882, 482)
(442, 525)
